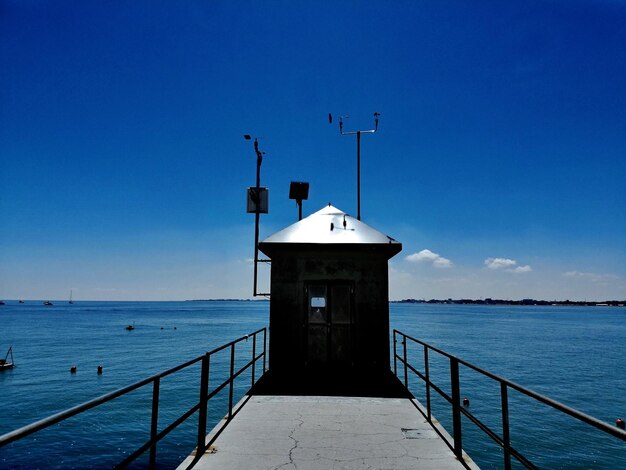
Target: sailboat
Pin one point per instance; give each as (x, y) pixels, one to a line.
(71, 301)
(6, 363)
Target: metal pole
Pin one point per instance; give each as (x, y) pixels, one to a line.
(358, 156)
(257, 215)
(506, 436)
(406, 374)
(456, 407)
(253, 357)
(232, 381)
(358, 175)
(204, 391)
(427, 374)
(154, 421)
(395, 353)
(264, 347)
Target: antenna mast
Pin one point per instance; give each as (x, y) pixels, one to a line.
(358, 153)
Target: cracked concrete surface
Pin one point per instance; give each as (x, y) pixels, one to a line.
(308, 432)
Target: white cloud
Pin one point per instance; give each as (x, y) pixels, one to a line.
(577, 274)
(427, 256)
(498, 263)
(442, 262)
(593, 277)
(424, 255)
(508, 265)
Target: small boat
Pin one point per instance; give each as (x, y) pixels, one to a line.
(71, 301)
(47, 302)
(130, 327)
(5, 363)
(21, 302)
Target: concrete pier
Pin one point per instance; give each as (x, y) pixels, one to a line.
(327, 432)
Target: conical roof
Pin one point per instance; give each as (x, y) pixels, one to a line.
(330, 226)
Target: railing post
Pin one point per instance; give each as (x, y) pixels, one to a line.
(427, 374)
(204, 392)
(253, 357)
(395, 353)
(232, 381)
(506, 436)
(264, 347)
(456, 407)
(154, 421)
(406, 373)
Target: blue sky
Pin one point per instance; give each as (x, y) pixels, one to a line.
(499, 163)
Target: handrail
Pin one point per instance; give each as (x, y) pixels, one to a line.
(156, 436)
(455, 401)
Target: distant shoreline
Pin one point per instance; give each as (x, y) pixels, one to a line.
(524, 302)
(488, 301)
(227, 300)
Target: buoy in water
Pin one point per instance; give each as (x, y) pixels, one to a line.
(99, 370)
(465, 401)
(73, 369)
(619, 422)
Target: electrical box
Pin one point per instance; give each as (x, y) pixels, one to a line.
(258, 197)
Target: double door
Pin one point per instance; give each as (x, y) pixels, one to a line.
(329, 324)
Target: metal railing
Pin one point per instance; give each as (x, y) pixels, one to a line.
(155, 435)
(503, 440)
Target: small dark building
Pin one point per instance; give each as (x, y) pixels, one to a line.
(329, 306)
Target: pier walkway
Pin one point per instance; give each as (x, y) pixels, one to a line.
(327, 432)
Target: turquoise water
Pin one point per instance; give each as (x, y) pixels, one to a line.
(572, 354)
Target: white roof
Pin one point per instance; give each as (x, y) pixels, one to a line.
(330, 225)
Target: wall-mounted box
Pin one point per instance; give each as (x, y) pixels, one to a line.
(261, 199)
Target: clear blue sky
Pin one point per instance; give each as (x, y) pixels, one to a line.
(500, 163)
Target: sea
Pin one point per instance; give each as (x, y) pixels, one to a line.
(575, 355)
